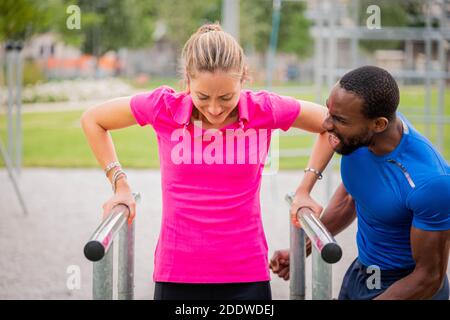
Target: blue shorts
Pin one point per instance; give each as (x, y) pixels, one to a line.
(355, 285)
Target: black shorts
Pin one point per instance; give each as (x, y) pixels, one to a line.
(213, 291)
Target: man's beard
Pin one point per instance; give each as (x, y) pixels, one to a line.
(346, 147)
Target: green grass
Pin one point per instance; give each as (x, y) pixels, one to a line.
(55, 139)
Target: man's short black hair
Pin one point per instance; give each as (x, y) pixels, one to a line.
(376, 87)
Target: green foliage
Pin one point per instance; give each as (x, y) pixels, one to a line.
(20, 19)
(256, 25)
(114, 24)
(183, 18)
(32, 73)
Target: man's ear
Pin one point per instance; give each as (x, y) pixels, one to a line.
(380, 124)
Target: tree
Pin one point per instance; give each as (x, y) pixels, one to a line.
(256, 25)
(114, 24)
(20, 19)
(183, 18)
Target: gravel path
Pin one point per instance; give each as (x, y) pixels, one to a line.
(37, 251)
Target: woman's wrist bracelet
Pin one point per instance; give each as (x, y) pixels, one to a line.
(111, 166)
(117, 175)
(316, 172)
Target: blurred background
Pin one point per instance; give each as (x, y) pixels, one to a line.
(59, 57)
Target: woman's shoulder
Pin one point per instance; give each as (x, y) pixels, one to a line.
(259, 99)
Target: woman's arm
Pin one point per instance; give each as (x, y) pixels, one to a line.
(310, 119)
(96, 123)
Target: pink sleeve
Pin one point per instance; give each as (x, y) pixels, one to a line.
(146, 106)
(285, 110)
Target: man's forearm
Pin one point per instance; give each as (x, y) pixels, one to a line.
(340, 212)
(414, 286)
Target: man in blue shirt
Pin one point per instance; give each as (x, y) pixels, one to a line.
(395, 183)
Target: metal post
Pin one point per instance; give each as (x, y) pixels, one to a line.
(126, 263)
(325, 252)
(18, 133)
(331, 78)
(318, 43)
(354, 40)
(12, 177)
(428, 56)
(297, 257)
(102, 288)
(10, 82)
(441, 88)
(230, 17)
(321, 277)
(99, 249)
(273, 42)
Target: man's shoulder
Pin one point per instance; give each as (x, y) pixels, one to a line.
(434, 189)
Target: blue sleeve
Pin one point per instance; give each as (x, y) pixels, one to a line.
(430, 204)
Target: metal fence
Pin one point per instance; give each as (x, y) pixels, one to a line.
(325, 252)
(99, 249)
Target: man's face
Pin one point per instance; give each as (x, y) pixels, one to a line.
(349, 129)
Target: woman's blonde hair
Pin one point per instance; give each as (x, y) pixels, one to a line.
(211, 49)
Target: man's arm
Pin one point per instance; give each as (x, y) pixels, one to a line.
(430, 250)
(340, 212)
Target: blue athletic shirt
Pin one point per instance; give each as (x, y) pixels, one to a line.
(410, 186)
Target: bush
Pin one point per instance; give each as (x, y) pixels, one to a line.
(32, 73)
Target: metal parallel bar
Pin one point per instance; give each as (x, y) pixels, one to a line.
(98, 249)
(385, 33)
(320, 237)
(104, 235)
(402, 74)
(322, 257)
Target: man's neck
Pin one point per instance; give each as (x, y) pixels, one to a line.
(389, 139)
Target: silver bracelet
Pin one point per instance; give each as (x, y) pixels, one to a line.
(316, 172)
(111, 166)
(117, 175)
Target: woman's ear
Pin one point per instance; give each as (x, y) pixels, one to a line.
(245, 75)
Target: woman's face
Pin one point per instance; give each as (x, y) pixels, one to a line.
(215, 95)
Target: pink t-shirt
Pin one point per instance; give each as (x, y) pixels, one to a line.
(211, 228)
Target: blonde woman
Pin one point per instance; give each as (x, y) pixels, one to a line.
(213, 140)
